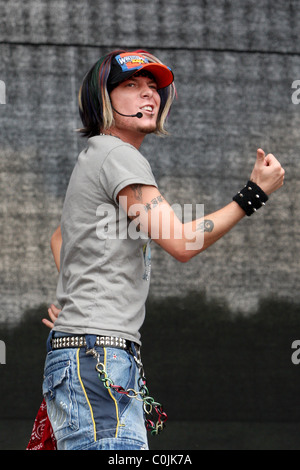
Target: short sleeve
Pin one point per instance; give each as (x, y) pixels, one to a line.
(124, 165)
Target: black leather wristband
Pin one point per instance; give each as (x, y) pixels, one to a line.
(251, 198)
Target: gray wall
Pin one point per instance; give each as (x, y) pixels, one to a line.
(234, 65)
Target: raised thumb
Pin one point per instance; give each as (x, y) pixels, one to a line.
(260, 156)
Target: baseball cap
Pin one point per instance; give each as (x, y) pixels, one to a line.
(124, 65)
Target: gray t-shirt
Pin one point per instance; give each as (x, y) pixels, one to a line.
(102, 286)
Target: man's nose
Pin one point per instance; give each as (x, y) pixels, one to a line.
(146, 91)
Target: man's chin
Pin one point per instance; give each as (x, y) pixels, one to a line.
(147, 129)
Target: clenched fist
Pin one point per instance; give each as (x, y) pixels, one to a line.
(267, 173)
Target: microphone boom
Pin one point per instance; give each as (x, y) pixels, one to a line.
(138, 115)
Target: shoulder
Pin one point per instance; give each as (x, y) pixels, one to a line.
(112, 149)
(107, 144)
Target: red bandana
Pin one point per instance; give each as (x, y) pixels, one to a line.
(42, 436)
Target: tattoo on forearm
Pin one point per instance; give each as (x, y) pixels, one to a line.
(153, 203)
(205, 226)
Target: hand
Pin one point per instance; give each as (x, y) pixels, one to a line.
(53, 314)
(267, 173)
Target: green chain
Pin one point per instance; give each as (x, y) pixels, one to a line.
(149, 404)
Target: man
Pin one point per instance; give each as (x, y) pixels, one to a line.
(95, 396)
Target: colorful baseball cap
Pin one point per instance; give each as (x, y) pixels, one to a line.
(124, 65)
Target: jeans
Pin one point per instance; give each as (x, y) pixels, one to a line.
(84, 414)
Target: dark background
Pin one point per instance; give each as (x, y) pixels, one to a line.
(224, 383)
(219, 329)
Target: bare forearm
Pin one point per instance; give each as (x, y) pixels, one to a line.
(209, 229)
(183, 241)
(56, 242)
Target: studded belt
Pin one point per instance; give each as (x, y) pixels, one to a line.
(79, 341)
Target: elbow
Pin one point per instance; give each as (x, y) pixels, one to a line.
(181, 250)
(183, 259)
(183, 256)
(177, 251)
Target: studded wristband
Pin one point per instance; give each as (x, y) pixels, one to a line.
(251, 198)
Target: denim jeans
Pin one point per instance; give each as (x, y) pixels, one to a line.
(84, 414)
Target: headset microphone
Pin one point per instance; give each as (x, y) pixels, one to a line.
(137, 115)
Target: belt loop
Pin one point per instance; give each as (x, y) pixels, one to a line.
(49, 339)
(136, 352)
(133, 348)
(90, 341)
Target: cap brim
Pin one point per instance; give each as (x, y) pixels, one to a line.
(162, 74)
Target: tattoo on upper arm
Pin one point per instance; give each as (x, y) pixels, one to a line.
(137, 190)
(205, 225)
(155, 201)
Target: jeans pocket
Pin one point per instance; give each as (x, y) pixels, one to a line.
(61, 402)
(121, 368)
